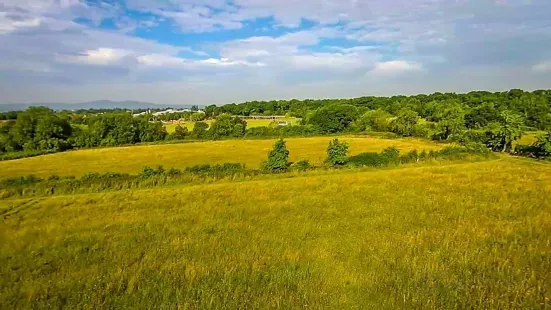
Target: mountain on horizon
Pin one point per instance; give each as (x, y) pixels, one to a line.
(98, 104)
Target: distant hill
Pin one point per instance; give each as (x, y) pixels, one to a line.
(100, 104)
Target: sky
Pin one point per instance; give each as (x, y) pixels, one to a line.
(222, 51)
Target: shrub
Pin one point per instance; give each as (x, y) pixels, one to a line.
(337, 152)
(370, 159)
(217, 169)
(543, 146)
(148, 172)
(391, 155)
(410, 157)
(302, 165)
(278, 158)
(174, 172)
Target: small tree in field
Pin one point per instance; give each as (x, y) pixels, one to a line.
(337, 153)
(278, 158)
(180, 132)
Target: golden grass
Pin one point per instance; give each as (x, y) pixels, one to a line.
(133, 159)
(251, 123)
(460, 236)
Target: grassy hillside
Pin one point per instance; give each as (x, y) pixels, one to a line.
(251, 123)
(132, 159)
(473, 235)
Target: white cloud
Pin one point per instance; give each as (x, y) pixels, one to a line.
(544, 66)
(395, 67)
(43, 49)
(159, 60)
(101, 56)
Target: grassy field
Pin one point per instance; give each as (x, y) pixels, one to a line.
(132, 159)
(460, 236)
(251, 123)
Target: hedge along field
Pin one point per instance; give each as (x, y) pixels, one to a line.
(460, 236)
(132, 159)
(251, 123)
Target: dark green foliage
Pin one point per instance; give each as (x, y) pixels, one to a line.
(302, 165)
(180, 133)
(333, 118)
(227, 126)
(422, 130)
(405, 122)
(152, 131)
(391, 155)
(369, 159)
(281, 131)
(337, 153)
(216, 169)
(278, 158)
(410, 157)
(540, 149)
(543, 146)
(451, 121)
(200, 130)
(375, 120)
(148, 172)
(36, 129)
(502, 135)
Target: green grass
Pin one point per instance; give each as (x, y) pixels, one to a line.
(472, 235)
(132, 159)
(251, 123)
(530, 138)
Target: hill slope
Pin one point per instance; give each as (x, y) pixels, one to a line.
(471, 235)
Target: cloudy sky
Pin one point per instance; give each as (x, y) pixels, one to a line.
(222, 51)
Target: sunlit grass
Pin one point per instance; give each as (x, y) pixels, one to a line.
(474, 235)
(530, 138)
(133, 159)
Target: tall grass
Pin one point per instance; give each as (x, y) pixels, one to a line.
(249, 152)
(474, 235)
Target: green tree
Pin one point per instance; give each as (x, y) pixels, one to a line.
(405, 122)
(377, 120)
(278, 158)
(153, 131)
(333, 118)
(337, 153)
(197, 117)
(451, 121)
(502, 135)
(227, 126)
(200, 130)
(180, 132)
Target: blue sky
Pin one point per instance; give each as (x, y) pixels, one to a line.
(223, 51)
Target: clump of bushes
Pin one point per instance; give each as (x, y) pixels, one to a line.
(389, 156)
(216, 169)
(541, 149)
(302, 165)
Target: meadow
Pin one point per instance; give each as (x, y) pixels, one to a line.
(454, 236)
(251, 123)
(133, 158)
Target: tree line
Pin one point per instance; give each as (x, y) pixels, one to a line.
(494, 120)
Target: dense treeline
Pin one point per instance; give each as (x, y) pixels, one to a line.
(40, 130)
(8, 115)
(495, 120)
(478, 108)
